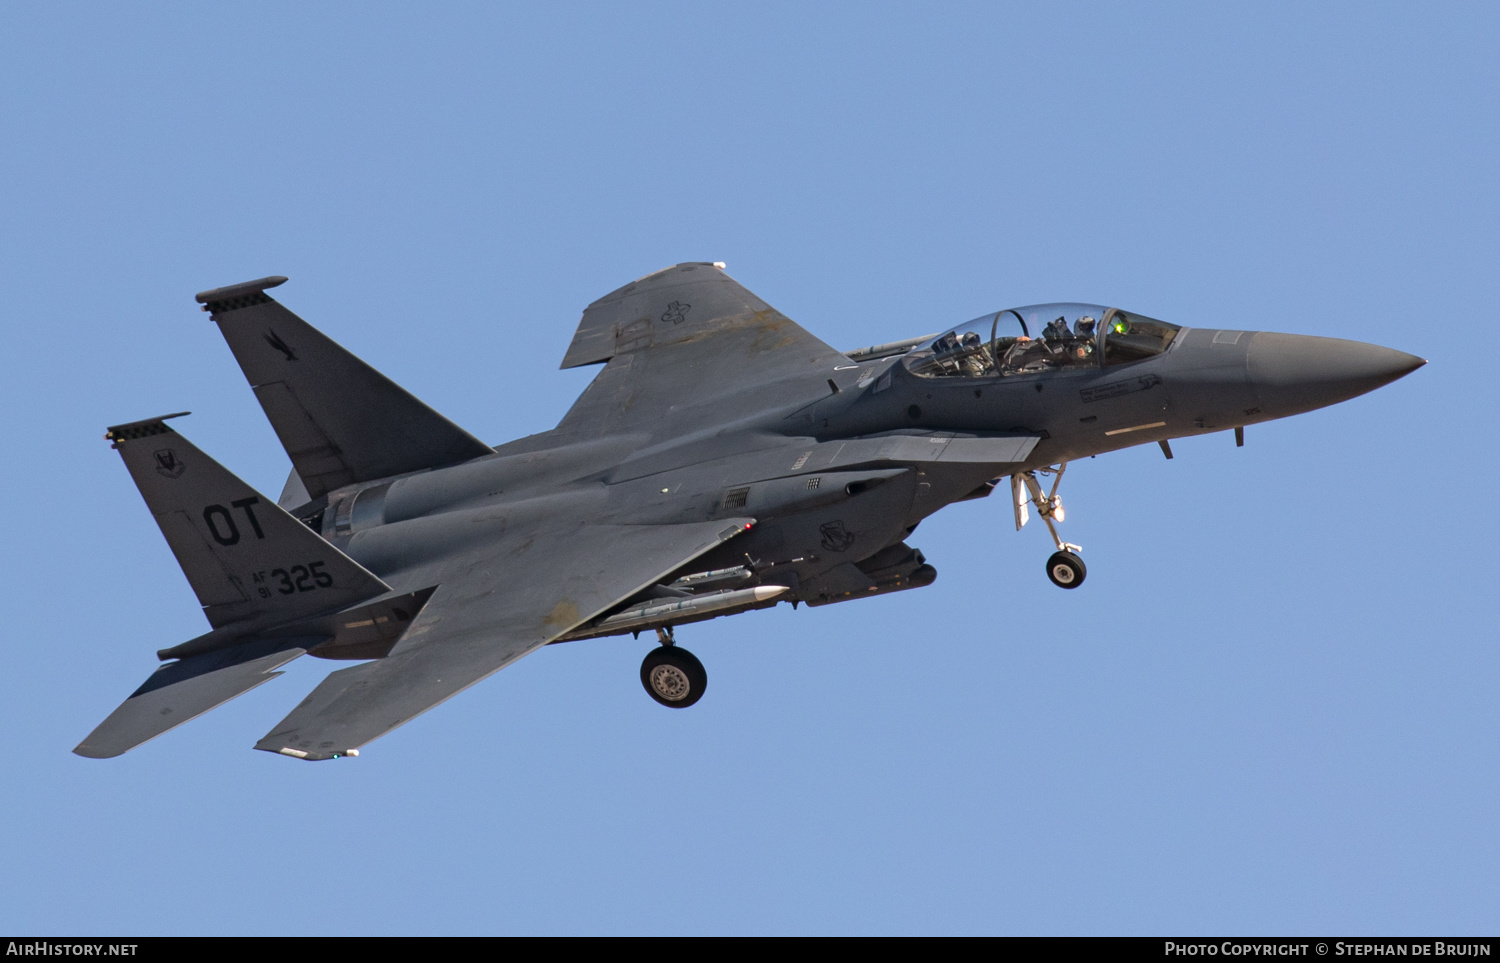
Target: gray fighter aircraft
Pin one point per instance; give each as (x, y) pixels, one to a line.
(722, 460)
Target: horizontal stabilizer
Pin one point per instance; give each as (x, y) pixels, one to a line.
(244, 556)
(340, 420)
(179, 691)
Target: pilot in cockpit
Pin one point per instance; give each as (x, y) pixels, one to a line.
(976, 363)
(1025, 354)
(1059, 346)
(1057, 330)
(1083, 339)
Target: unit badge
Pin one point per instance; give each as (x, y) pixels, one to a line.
(836, 538)
(168, 464)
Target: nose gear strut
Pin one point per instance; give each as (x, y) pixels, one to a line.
(1064, 568)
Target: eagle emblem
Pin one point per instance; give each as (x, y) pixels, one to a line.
(836, 538)
(168, 465)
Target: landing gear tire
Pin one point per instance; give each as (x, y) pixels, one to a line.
(1066, 570)
(673, 676)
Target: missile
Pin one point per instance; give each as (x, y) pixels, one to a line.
(654, 612)
(699, 579)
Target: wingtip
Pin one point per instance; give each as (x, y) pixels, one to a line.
(306, 755)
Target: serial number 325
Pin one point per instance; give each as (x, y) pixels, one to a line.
(299, 578)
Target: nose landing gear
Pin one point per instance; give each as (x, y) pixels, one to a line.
(671, 675)
(1064, 568)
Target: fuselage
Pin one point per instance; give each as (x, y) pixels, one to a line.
(838, 472)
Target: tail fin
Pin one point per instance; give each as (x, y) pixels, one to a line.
(244, 556)
(340, 420)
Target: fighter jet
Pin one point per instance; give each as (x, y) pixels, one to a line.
(722, 460)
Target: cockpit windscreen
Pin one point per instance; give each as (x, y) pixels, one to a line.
(1040, 337)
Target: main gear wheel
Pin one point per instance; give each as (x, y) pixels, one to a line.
(673, 676)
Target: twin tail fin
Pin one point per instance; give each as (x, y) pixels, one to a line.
(340, 420)
(245, 557)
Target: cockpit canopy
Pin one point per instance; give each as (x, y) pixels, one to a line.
(1041, 337)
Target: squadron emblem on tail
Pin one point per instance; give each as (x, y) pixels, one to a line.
(168, 465)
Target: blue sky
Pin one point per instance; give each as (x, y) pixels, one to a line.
(1270, 710)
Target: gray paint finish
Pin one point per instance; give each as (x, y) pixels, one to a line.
(722, 454)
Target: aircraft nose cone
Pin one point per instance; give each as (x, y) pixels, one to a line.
(1294, 372)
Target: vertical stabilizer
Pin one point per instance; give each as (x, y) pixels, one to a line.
(340, 420)
(244, 555)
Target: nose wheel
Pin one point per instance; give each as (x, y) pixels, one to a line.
(1064, 568)
(672, 675)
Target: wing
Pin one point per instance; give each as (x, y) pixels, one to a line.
(538, 586)
(683, 339)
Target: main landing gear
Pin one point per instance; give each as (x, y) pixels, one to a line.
(1064, 568)
(673, 676)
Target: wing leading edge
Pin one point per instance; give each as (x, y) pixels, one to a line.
(534, 588)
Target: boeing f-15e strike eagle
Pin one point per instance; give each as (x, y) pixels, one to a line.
(722, 460)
